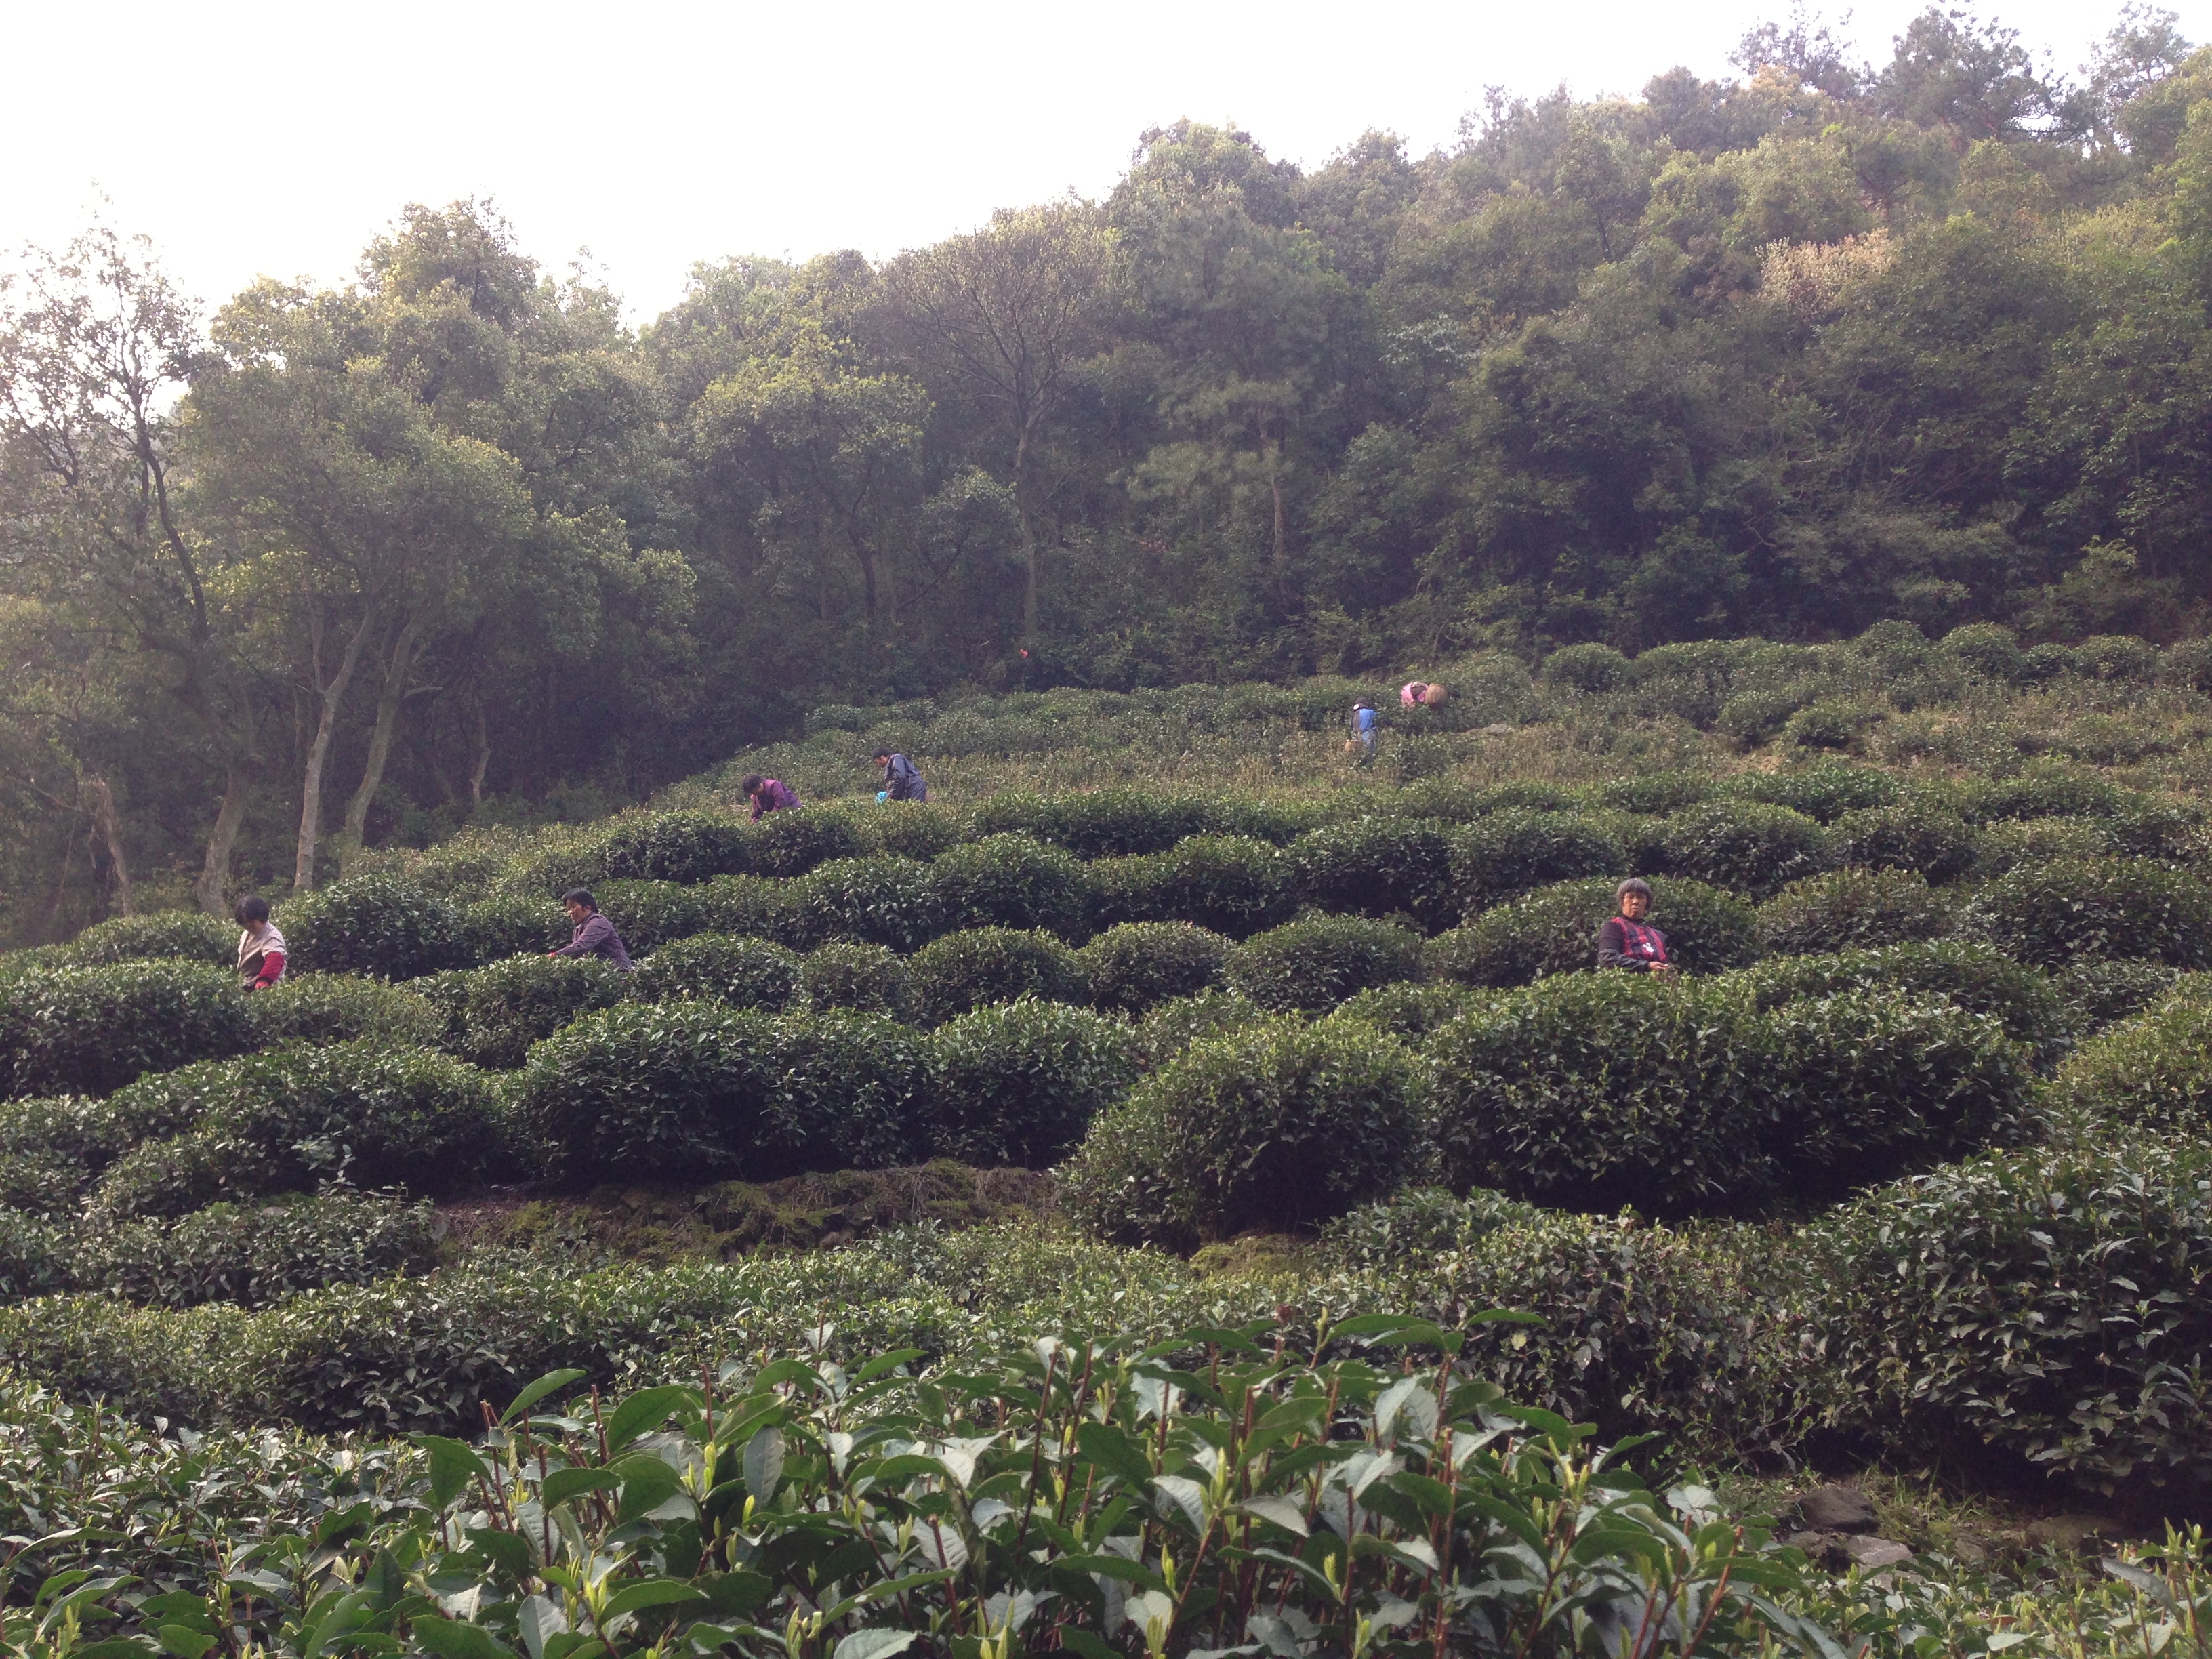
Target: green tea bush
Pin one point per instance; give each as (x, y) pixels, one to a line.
(755, 907)
(687, 847)
(744, 973)
(791, 842)
(184, 935)
(1988, 649)
(173, 1176)
(2012, 843)
(2118, 657)
(1102, 823)
(2155, 1069)
(1411, 1010)
(2044, 1305)
(882, 900)
(34, 1258)
(510, 925)
(256, 1254)
(1234, 885)
(53, 1148)
(1597, 1092)
(648, 914)
(1019, 1083)
(1851, 910)
(1587, 667)
(1975, 977)
(1510, 852)
(2039, 791)
(324, 1008)
(1831, 723)
(90, 1030)
(1173, 1026)
(1312, 965)
(1137, 965)
(834, 1091)
(447, 994)
(1280, 1125)
(983, 965)
(868, 979)
(2098, 993)
(2055, 913)
(1824, 794)
(292, 1118)
(1747, 846)
(1014, 881)
(2187, 664)
(908, 829)
(1929, 839)
(653, 1092)
(1657, 794)
(1554, 931)
(513, 1004)
(1377, 867)
(375, 925)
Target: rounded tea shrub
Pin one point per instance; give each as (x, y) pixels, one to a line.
(1657, 794)
(1104, 823)
(185, 935)
(2099, 992)
(656, 1091)
(1989, 649)
(1312, 965)
(2055, 913)
(1019, 1083)
(1824, 794)
(1586, 667)
(882, 900)
(2155, 1069)
(1847, 909)
(1507, 853)
(54, 1147)
(1554, 931)
(1014, 881)
(2046, 1305)
(1747, 846)
(1377, 867)
(2008, 845)
(791, 842)
(1137, 965)
(1174, 1026)
(834, 1091)
(295, 1117)
(746, 973)
(648, 914)
(1916, 835)
(1975, 977)
(510, 925)
(982, 965)
(1234, 885)
(513, 1004)
(1411, 1010)
(683, 846)
(90, 1030)
(375, 925)
(1278, 1125)
(868, 979)
(2040, 791)
(325, 1008)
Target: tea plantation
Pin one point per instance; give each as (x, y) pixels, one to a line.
(1391, 1282)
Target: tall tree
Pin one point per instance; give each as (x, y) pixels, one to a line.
(1003, 316)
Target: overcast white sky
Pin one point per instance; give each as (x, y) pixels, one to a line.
(253, 138)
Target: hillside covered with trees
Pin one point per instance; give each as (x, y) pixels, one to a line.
(1786, 355)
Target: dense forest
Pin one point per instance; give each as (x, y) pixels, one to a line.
(1785, 354)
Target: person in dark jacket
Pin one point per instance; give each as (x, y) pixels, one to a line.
(901, 780)
(1626, 940)
(595, 935)
(769, 795)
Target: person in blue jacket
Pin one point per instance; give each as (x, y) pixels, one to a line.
(1362, 727)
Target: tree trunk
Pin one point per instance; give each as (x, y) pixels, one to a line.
(479, 754)
(1028, 540)
(332, 696)
(354, 832)
(99, 801)
(223, 841)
